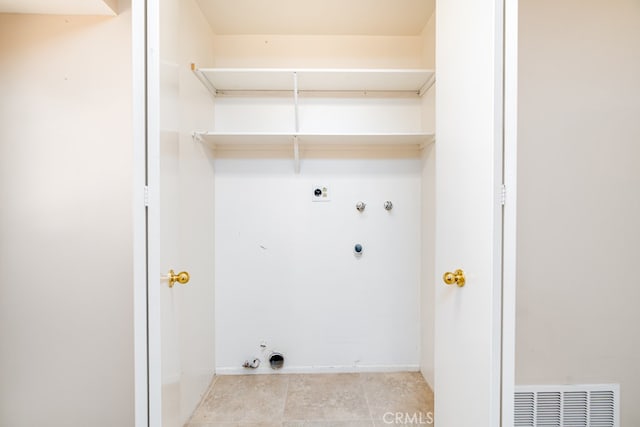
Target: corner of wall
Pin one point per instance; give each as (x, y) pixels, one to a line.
(427, 291)
(429, 43)
(113, 5)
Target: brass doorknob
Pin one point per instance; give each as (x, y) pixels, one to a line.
(456, 277)
(182, 278)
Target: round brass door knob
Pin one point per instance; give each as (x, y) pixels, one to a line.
(456, 277)
(182, 278)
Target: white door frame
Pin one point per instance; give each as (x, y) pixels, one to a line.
(509, 234)
(140, 276)
(140, 222)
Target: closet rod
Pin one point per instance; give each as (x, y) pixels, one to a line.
(318, 93)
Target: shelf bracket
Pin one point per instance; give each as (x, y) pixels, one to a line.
(428, 141)
(295, 102)
(296, 146)
(204, 80)
(197, 137)
(296, 155)
(428, 84)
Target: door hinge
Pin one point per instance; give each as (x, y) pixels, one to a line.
(503, 194)
(146, 195)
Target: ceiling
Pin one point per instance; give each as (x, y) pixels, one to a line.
(309, 17)
(60, 7)
(304, 17)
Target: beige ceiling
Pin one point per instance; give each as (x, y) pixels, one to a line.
(308, 17)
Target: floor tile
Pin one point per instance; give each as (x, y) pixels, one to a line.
(244, 399)
(359, 423)
(420, 423)
(319, 400)
(215, 424)
(403, 393)
(326, 397)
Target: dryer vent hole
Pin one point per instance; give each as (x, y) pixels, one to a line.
(276, 360)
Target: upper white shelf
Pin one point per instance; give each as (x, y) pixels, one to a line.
(60, 7)
(222, 81)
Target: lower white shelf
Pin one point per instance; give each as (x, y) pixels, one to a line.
(249, 141)
(297, 145)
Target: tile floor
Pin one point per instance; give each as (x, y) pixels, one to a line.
(319, 400)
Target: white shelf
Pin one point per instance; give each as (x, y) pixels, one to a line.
(231, 79)
(60, 7)
(250, 140)
(338, 88)
(224, 81)
(364, 80)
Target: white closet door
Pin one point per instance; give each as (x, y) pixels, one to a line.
(468, 212)
(180, 215)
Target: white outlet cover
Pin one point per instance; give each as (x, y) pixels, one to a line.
(320, 193)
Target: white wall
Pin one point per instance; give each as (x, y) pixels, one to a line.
(320, 114)
(66, 323)
(429, 43)
(427, 285)
(578, 195)
(286, 272)
(318, 51)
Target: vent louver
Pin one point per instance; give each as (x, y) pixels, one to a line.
(567, 406)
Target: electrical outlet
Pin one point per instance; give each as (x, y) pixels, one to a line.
(320, 193)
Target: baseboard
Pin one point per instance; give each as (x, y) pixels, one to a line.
(317, 369)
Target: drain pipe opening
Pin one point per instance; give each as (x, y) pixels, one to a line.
(253, 364)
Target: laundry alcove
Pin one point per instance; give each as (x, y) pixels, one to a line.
(285, 275)
(258, 118)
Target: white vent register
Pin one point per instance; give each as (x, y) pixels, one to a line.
(567, 406)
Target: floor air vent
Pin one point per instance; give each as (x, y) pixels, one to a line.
(567, 406)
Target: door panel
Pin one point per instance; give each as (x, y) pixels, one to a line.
(468, 212)
(181, 188)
